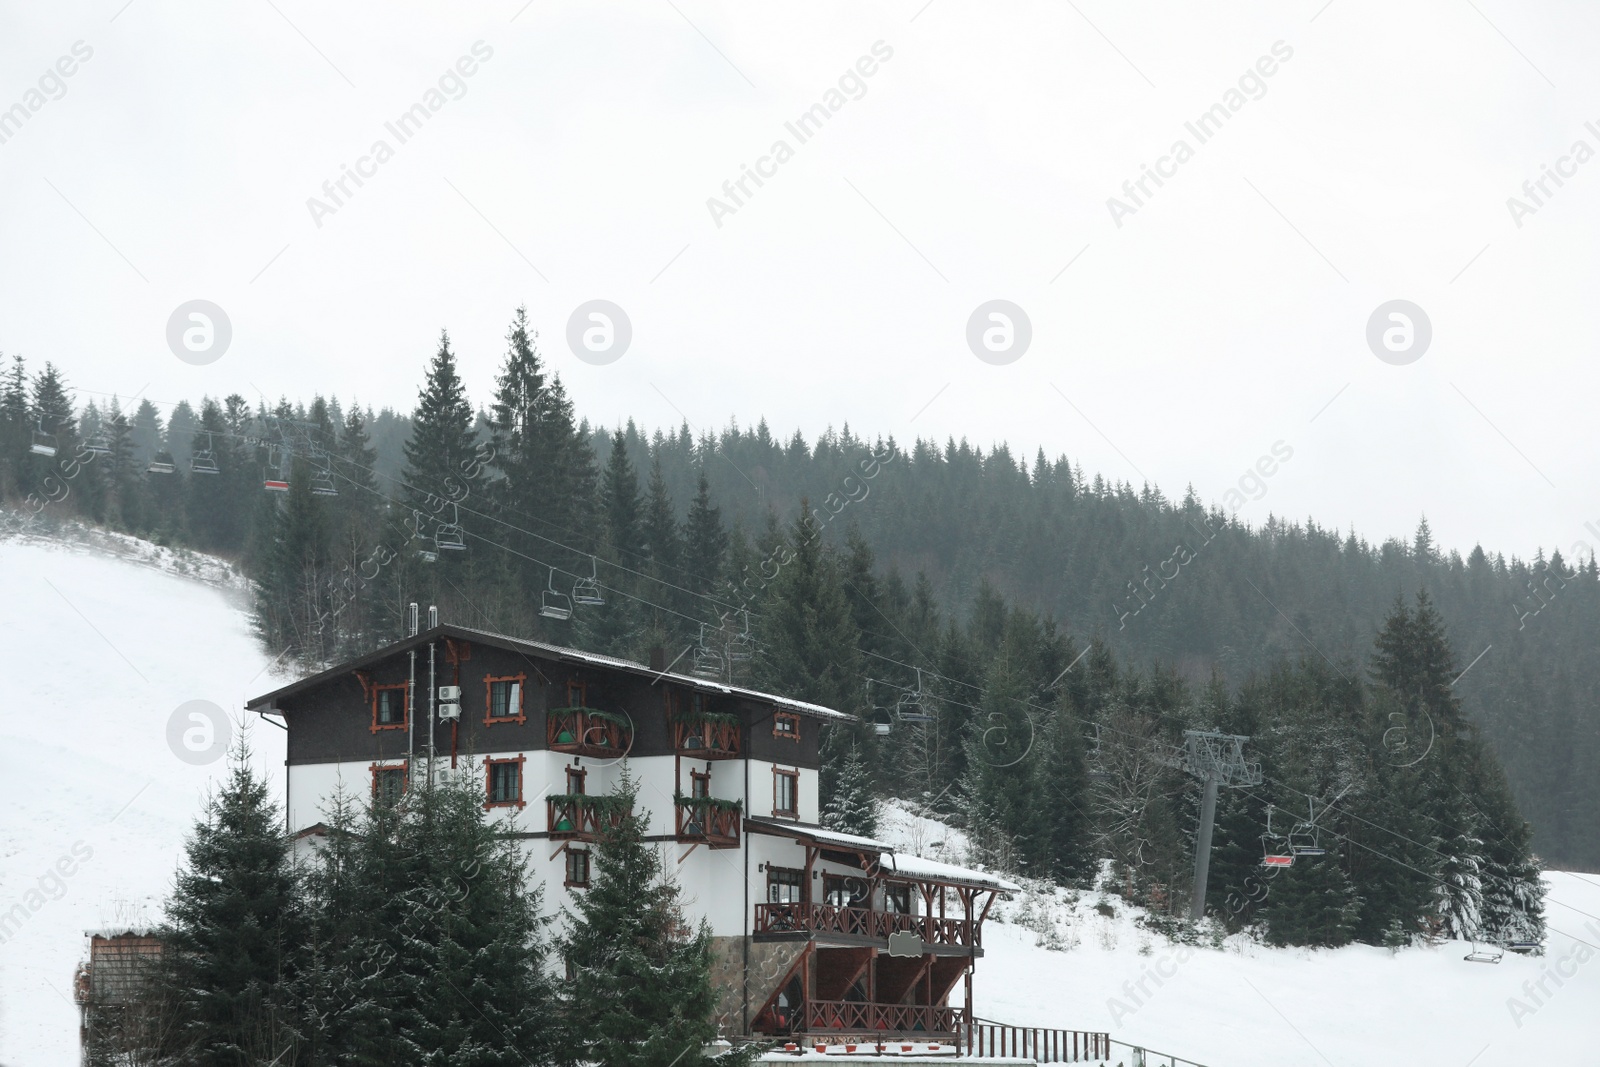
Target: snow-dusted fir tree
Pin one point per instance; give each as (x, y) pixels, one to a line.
(427, 946)
(231, 923)
(638, 991)
(853, 806)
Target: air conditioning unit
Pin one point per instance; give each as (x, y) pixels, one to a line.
(449, 711)
(449, 692)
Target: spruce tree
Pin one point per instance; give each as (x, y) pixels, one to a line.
(853, 806)
(638, 992)
(441, 464)
(705, 539)
(231, 922)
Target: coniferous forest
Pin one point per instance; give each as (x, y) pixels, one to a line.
(1024, 642)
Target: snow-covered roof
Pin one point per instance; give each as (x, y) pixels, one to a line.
(804, 831)
(576, 655)
(935, 871)
(889, 860)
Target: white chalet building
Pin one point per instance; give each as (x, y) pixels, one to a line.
(818, 934)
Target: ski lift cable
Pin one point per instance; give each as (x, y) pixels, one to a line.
(531, 559)
(1426, 874)
(1142, 742)
(273, 419)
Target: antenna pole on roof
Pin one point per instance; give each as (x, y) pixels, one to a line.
(433, 691)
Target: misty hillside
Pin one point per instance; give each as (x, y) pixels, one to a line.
(1187, 585)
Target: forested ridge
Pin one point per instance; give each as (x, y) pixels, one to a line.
(1057, 632)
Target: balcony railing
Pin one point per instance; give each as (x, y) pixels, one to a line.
(706, 737)
(825, 919)
(856, 1017)
(587, 732)
(709, 820)
(581, 818)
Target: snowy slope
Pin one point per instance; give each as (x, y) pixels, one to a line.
(103, 640)
(1247, 1005)
(119, 634)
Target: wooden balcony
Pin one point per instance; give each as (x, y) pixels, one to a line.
(709, 821)
(581, 818)
(864, 924)
(923, 1022)
(587, 732)
(706, 737)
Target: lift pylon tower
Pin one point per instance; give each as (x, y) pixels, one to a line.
(1217, 760)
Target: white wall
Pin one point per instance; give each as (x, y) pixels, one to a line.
(712, 880)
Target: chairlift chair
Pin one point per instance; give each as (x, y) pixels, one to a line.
(276, 482)
(707, 662)
(1490, 953)
(1271, 858)
(204, 460)
(882, 722)
(162, 463)
(1523, 947)
(322, 484)
(449, 537)
(98, 445)
(1304, 838)
(910, 707)
(742, 646)
(553, 603)
(42, 444)
(586, 591)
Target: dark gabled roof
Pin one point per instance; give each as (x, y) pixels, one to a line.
(543, 651)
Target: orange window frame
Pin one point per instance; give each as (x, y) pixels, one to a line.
(793, 720)
(582, 691)
(405, 776)
(580, 775)
(405, 704)
(489, 717)
(488, 784)
(794, 793)
(699, 782)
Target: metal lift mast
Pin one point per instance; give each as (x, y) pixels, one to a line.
(1217, 760)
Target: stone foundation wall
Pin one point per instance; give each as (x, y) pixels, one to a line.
(769, 962)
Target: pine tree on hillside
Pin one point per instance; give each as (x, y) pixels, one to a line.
(230, 924)
(53, 412)
(294, 592)
(424, 944)
(1003, 817)
(15, 424)
(179, 438)
(620, 508)
(1060, 772)
(639, 991)
(808, 638)
(441, 470)
(853, 806)
(705, 539)
(147, 433)
(1311, 903)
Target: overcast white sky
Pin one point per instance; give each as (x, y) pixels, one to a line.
(1222, 317)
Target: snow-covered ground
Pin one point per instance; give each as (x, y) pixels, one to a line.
(102, 640)
(105, 638)
(1055, 960)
